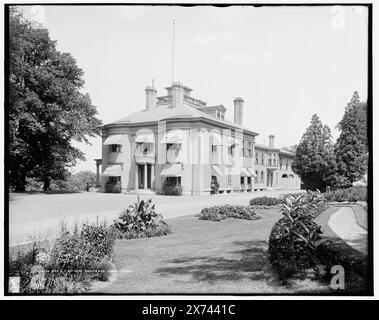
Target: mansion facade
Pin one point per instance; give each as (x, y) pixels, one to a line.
(178, 139)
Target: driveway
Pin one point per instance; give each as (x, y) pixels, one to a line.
(39, 216)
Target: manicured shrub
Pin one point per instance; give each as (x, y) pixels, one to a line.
(294, 239)
(171, 189)
(353, 194)
(265, 201)
(218, 213)
(140, 220)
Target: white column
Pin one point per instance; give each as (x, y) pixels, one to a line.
(152, 176)
(145, 176)
(97, 174)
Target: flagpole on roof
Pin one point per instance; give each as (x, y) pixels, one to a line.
(173, 51)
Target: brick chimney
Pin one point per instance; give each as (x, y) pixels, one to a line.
(238, 111)
(151, 97)
(177, 95)
(271, 140)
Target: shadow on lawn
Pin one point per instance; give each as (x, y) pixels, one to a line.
(247, 262)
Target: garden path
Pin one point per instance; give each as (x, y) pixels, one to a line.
(343, 222)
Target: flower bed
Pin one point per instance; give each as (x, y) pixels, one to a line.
(140, 221)
(265, 202)
(218, 213)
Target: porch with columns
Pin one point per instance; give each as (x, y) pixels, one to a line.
(144, 177)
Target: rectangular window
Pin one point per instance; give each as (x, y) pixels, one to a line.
(262, 177)
(263, 159)
(256, 158)
(229, 176)
(248, 180)
(115, 148)
(256, 177)
(214, 148)
(242, 180)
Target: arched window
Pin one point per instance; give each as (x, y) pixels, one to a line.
(291, 176)
(284, 176)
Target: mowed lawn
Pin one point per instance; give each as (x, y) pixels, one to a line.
(199, 257)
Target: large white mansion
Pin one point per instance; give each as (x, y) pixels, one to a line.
(178, 138)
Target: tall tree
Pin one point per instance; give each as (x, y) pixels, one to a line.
(351, 148)
(47, 111)
(314, 159)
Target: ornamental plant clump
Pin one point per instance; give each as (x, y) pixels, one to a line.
(141, 220)
(265, 201)
(171, 189)
(295, 238)
(218, 213)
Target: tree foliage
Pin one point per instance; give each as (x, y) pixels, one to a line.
(314, 159)
(47, 111)
(73, 182)
(351, 149)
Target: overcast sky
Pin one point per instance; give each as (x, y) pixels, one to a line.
(286, 62)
